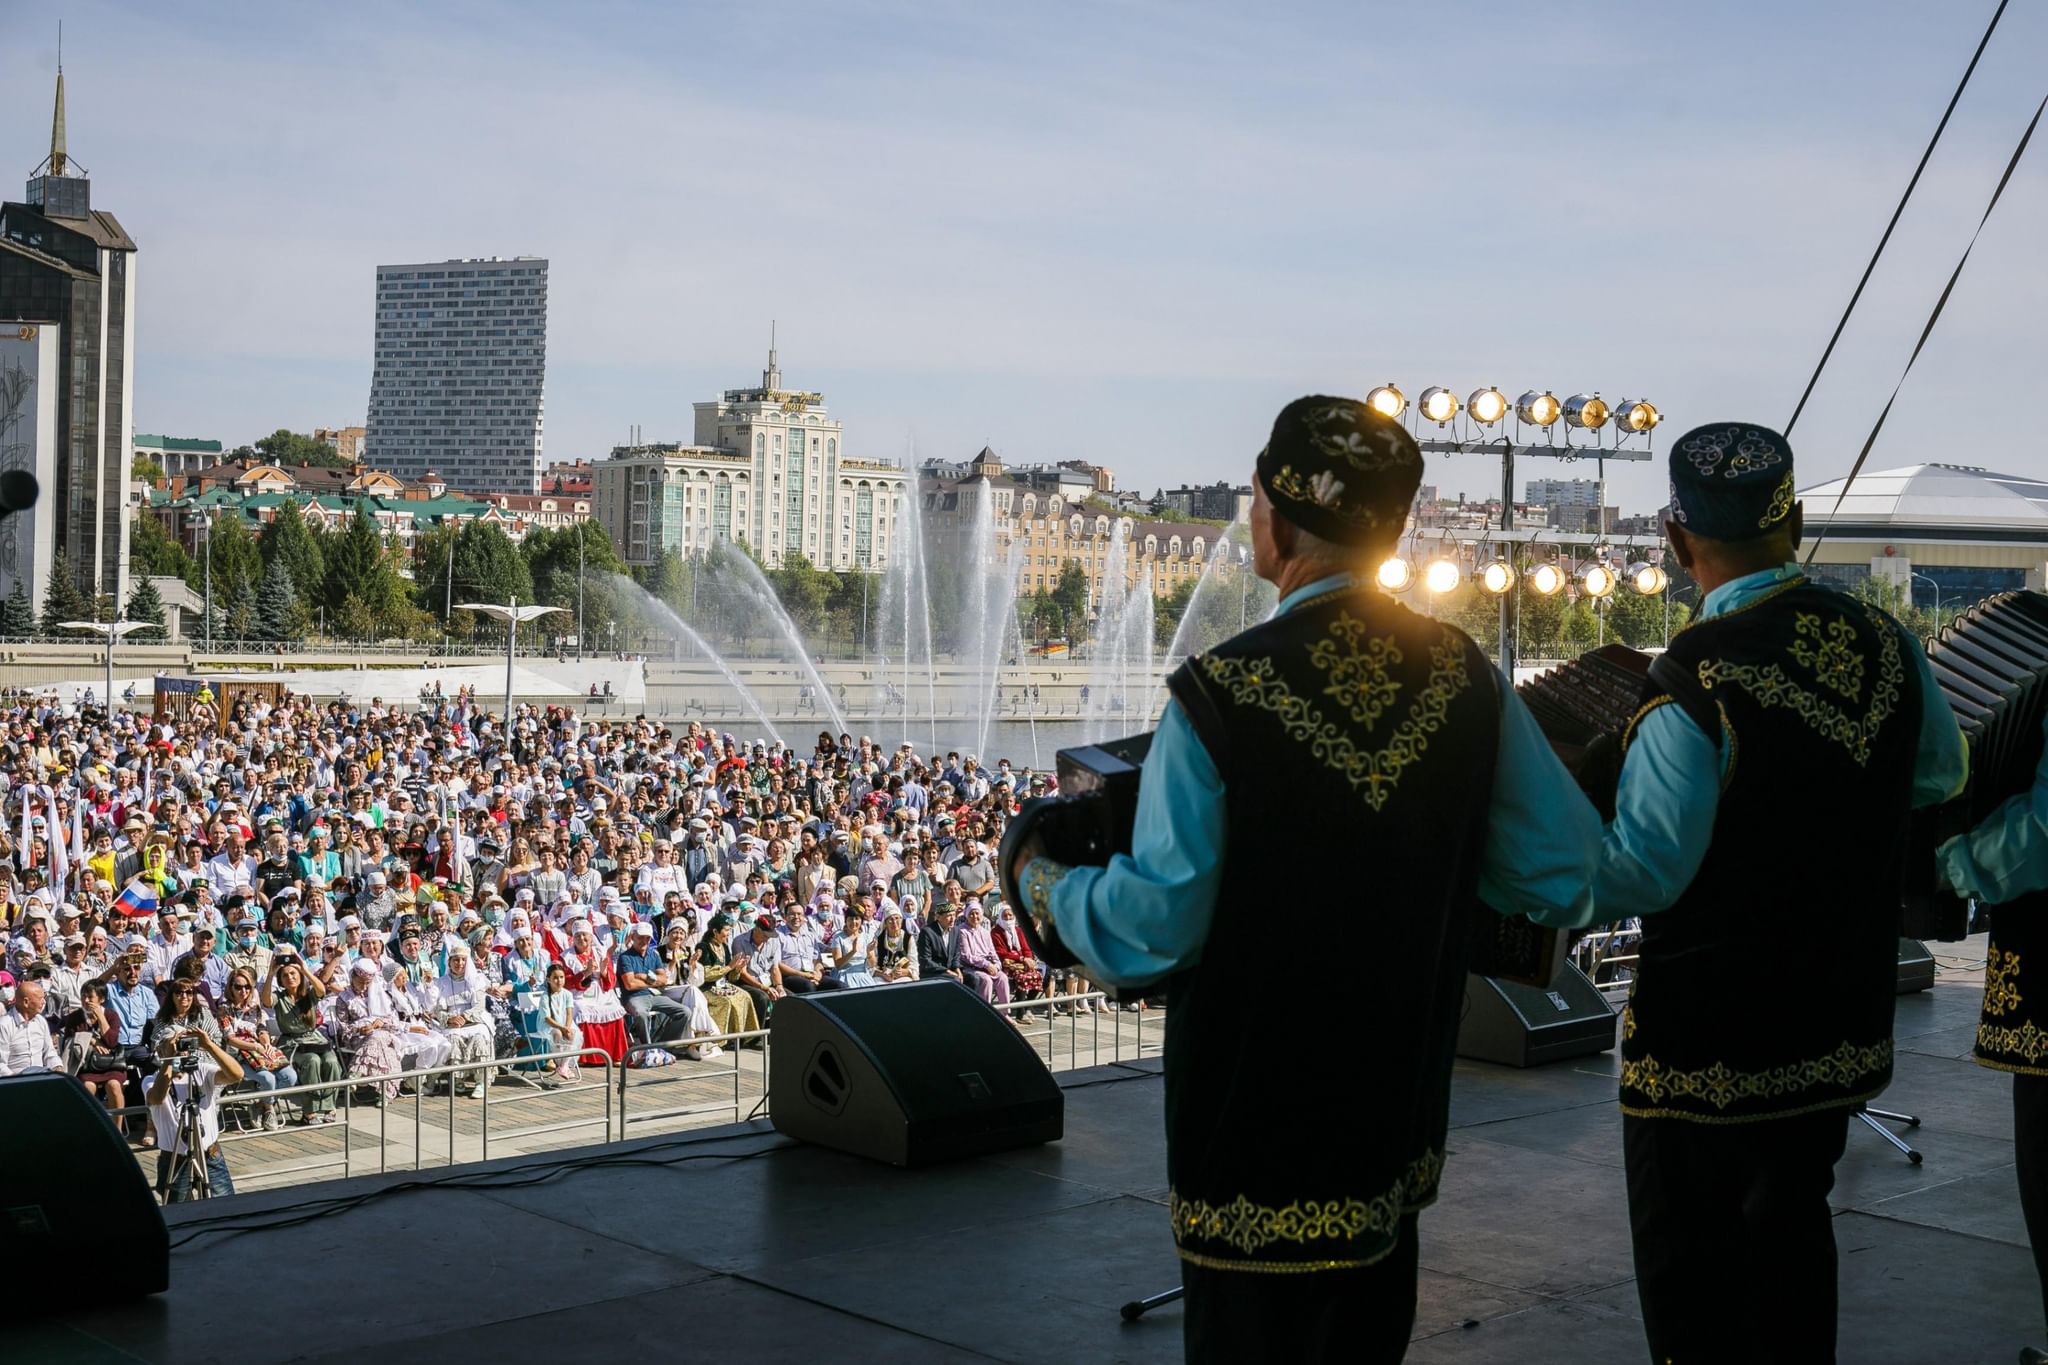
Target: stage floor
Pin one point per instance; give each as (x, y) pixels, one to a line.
(779, 1252)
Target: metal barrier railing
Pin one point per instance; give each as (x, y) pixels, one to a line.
(1588, 956)
(245, 1098)
(620, 1116)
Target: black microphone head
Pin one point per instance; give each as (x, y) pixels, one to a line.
(18, 491)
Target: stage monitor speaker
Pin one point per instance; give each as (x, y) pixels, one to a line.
(73, 1197)
(1518, 1025)
(908, 1074)
(1916, 966)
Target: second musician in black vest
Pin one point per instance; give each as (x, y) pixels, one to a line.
(1766, 781)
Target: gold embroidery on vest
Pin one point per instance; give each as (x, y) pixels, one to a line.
(1834, 660)
(1372, 773)
(1628, 1021)
(1246, 1226)
(1720, 1085)
(1360, 678)
(1768, 685)
(2001, 982)
(2027, 1042)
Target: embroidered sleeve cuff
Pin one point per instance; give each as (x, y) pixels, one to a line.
(1041, 875)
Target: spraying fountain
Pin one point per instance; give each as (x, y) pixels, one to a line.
(665, 616)
(754, 585)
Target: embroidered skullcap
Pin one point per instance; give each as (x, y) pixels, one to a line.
(1339, 470)
(1731, 480)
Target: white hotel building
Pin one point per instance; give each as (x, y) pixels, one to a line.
(768, 469)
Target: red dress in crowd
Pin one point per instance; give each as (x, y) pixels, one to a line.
(598, 1008)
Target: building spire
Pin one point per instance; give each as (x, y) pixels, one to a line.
(771, 378)
(57, 151)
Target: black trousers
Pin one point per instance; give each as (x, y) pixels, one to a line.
(1734, 1241)
(2030, 1159)
(1362, 1317)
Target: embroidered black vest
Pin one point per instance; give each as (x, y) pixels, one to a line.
(1819, 706)
(2012, 1032)
(1353, 731)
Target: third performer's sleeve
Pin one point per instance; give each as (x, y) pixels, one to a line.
(1543, 835)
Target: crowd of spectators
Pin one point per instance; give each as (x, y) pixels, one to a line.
(344, 892)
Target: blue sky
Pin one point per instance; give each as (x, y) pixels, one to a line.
(1120, 232)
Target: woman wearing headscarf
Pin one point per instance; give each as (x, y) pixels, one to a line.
(732, 1009)
(1026, 981)
(463, 1012)
(895, 949)
(421, 1044)
(523, 980)
(678, 956)
(594, 981)
(979, 966)
(367, 1026)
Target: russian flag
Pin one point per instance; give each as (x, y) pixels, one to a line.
(136, 898)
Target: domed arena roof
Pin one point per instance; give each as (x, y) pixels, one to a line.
(1950, 497)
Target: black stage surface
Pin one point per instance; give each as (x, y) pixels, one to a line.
(802, 1254)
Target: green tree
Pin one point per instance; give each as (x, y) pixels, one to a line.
(853, 608)
(552, 562)
(241, 615)
(355, 562)
(153, 554)
(1070, 596)
(146, 604)
(17, 617)
(804, 590)
(145, 469)
(354, 619)
(285, 446)
(237, 562)
(279, 615)
(287, 537)
(62, 601)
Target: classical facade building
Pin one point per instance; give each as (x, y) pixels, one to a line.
(767, 468)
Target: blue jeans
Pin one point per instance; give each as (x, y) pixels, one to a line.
(283, 1077)
(218, 1180)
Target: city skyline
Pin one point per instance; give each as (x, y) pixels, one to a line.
(1129, 251)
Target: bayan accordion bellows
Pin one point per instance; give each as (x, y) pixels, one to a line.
(1991, 664)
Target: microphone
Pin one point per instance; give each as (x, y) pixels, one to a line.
(18, 491)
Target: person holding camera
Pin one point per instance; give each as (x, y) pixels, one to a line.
(185, 1094)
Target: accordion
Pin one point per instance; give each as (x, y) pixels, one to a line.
(1991, 664)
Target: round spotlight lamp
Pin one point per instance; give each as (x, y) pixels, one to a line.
(1395, 574)
(1598, 580)
(1546, 579)
(1486, 406)
(1387, 401)
(1636, 415)
(1538, 409)
(1647, 579)
(1438, 404)
(1497, 577)
(1442, 576)
(1586, 411)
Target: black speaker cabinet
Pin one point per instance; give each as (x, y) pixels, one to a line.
(1916, 966)
(1518, 1025)
(72, 1194)
(908, 1074)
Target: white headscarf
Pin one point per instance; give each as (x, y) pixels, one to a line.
(461, 994)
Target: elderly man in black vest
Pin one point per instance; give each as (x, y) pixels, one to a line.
(1782, 691)
(1346, 721)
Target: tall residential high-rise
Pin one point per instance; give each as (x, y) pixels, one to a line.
(1575, 504)
(67, 360)
(462, 351)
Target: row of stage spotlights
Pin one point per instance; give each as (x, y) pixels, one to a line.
(1586, 411)
(1497, 577)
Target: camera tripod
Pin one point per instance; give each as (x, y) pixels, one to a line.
(191, 1159)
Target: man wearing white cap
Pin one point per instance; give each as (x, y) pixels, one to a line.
(642, 978)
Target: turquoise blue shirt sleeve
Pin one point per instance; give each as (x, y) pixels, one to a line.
(1542, 834)
(2006, 855)
(1147, 914)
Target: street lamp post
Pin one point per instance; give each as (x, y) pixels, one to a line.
(513, 616)
(1937, 596)
(206, 534)
(579, 592)
(109, 631)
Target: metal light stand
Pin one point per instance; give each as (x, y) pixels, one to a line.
(1871, 1116)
